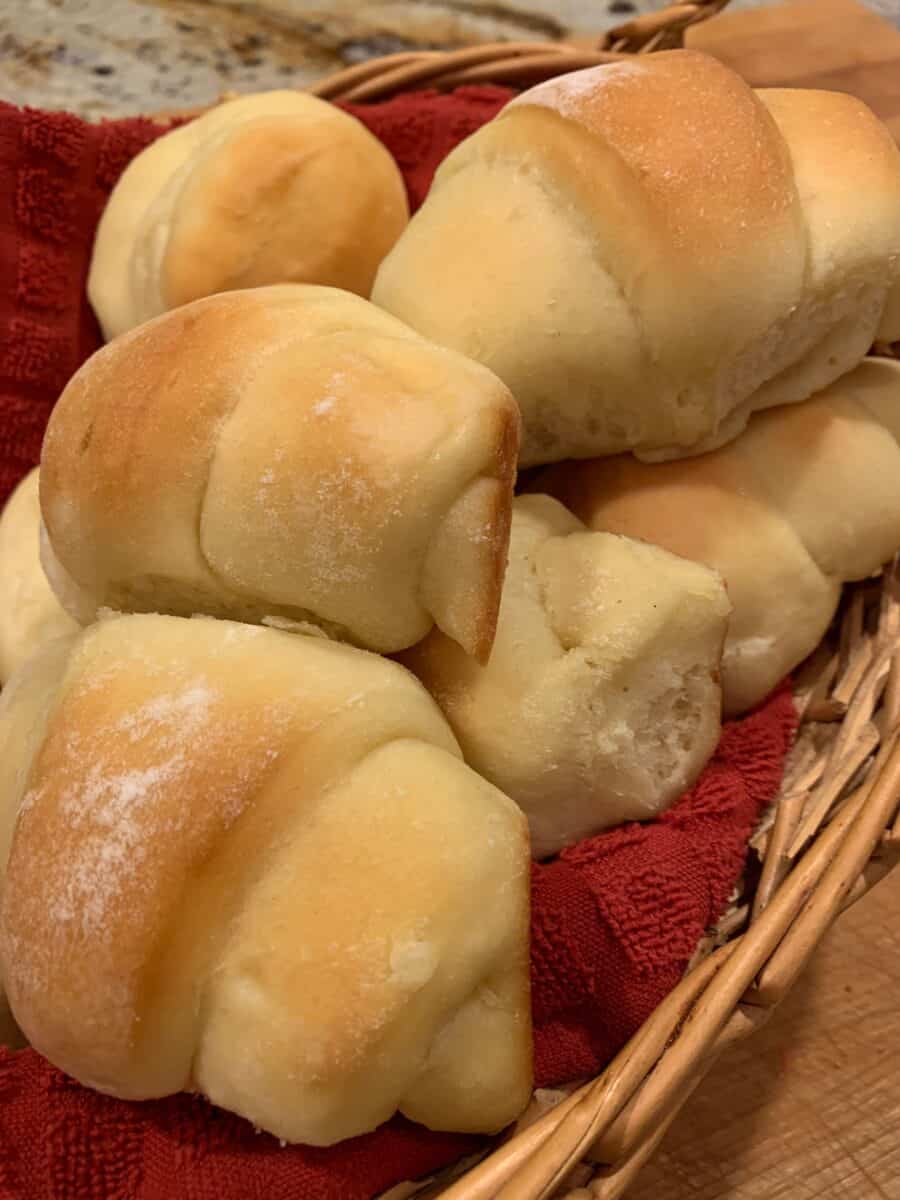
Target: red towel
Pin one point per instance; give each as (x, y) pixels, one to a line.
(615, 919)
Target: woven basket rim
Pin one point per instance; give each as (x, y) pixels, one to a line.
(522, 62)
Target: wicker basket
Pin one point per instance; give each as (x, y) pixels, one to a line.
(833, 832)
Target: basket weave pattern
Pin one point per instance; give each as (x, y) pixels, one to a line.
(831, 835)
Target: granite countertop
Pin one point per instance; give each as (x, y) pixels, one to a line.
(117, 57)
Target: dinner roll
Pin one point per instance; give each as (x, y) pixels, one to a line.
(289, 452)
(804, 500)
(600, 702)
(24, 710)
(645, 252)
(253, 864)
(30, 613)
(278, 187)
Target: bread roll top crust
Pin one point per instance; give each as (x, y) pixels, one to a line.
(279, 186)
(288, 451)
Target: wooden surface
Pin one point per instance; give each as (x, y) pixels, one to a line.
(809, 1107)
(833, 44)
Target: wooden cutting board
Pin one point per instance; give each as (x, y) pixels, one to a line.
(809, 1107)
(832, 44)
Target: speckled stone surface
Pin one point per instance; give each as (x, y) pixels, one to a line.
(115, 57)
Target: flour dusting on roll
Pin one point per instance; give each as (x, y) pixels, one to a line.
(253, 864)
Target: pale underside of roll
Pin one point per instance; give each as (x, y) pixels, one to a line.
(278, 187)
(30, 613)
(288, 452)
(807, 498)
(647, 252)
(254, 864)
(600, 702)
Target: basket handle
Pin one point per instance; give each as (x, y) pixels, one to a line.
(516, 63)
(662, 30)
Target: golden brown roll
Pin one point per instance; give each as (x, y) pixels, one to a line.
(278, 187)
(646, 252)
(600, 702)
(288, 452)
(805, 499)
(24, 710)
(254, 864)
(30, 613)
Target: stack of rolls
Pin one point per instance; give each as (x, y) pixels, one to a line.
(288, 456)
(282, 627)
(650, 253)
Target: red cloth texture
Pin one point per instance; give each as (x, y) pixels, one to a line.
(615, 918)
